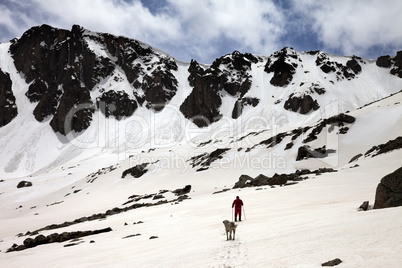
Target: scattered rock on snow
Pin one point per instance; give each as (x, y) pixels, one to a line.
(364, 206)
(22, 184)
(205, 160)
(136, 171)
(131, 236)
(73, 244)
(222, 191)
(333, 262)
(55, 237)
(182, 191)
(305, 152)
(356, 157)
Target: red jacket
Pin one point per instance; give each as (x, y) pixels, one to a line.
(237, 203)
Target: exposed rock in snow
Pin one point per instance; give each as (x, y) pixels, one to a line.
(303, 104)
(66, 65)
(391, 62)
(136, 171)
(229, 73)
(385, 148)
(349, 71)
(333, 262)
(8, 108)
(384, 61)
(283, 64)
(241, 103)
(56, 238)
(305, 152)
(22, 184)
(389, 191)
(117, 104)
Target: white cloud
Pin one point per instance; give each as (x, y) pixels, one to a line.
(205, 29)
(353, 27)
(14, 18)
(117, 17)
(190, 28)
(254, 26)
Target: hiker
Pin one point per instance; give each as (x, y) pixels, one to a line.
(237, 204)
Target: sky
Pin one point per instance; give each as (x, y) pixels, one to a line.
(208, 29)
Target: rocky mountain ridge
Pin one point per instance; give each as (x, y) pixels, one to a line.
(77, 93)
(64, 68)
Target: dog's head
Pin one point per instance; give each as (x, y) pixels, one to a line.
(226, 222)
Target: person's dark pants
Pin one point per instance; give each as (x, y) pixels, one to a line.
(237, 213)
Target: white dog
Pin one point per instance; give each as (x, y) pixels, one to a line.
(230, 227)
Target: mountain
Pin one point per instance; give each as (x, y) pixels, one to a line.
(99, 130)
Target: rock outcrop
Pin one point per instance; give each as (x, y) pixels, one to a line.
(229, 73)
(348, 71)
(339, 120)
(384, 61)
(276, 179)
(63, 69)
(389, 191)
(305, 152)
(389, 146)
(117, 104)
(136, 171)
(55, 238)
(395, 63)
(204, 160)
(302, 104)
(8, 108)
(241, 103)
(283, 64)
(182, 191)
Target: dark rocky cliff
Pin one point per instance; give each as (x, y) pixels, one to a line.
(62, 71)
(228, 74)
(8, 108)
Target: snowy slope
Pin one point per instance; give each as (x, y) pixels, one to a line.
(301, 225)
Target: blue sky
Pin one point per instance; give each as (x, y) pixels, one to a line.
(207, 29)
